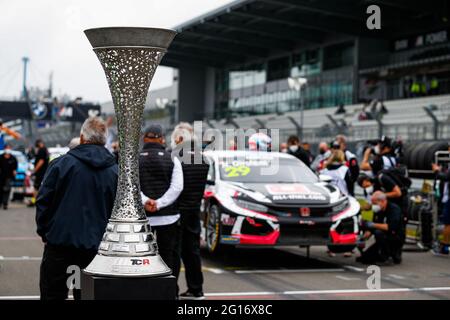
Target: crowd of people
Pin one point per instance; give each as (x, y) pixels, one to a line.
(71, 217)
(385, 186)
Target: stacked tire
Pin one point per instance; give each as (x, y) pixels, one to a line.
(420, 157)
(422, 212)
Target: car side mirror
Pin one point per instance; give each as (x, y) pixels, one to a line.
(325, 178)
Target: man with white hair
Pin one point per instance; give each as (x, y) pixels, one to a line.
(195, 171)
(184, 125)
(75, 142)
(387, 230)
(73, 206)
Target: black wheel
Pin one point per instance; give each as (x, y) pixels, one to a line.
(437, 146)
(212, 229)
(407, 154)
(421, 156)
(415, 160)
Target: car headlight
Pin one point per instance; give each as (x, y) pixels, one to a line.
(251, 205)
(341, 206)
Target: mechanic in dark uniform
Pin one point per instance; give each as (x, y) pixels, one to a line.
(383, 182)
(387, 228)
(8, 168)
(195, 172)
(161, 183)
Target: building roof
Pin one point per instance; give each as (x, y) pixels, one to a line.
(245, 31)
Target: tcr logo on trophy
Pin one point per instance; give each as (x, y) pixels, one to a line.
(139, 262)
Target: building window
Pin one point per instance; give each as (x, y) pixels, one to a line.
(278, 69)
(305, 63)
(338, 55)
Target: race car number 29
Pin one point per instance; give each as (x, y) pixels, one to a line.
(239, 171)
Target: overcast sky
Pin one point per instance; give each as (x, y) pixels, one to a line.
(50, 33)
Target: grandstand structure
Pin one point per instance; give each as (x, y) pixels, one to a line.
(407, 119)
(59, 134)
(233, 66)
(234, 63)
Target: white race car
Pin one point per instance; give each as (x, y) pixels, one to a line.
(262, 199)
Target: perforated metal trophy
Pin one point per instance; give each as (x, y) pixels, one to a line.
(129, 57)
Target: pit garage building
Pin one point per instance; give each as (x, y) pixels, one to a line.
(237, 59)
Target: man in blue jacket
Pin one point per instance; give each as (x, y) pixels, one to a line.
(73, 207)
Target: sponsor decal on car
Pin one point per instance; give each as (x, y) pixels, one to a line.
(229, 240)
(307, 222)
(293, 192)
(227, 220)
(246, 163)
(299, 197)
(277, 189)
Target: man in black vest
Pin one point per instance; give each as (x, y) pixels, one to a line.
(195, 172)
(161, 184)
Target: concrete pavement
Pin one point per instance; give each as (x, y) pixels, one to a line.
(284, 273)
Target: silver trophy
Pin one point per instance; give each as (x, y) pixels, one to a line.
(129, 57)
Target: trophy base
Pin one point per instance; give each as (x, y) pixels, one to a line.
(128, 267)
(108, 288)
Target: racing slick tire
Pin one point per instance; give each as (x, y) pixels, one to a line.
(429, 157)
(407, 155)
(421, 156)
(212, 229)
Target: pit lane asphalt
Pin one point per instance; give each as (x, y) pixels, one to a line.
(284, 273)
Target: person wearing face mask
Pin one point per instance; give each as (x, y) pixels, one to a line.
(8, 167)
(284, 147)
(295, 149)
(379, 158)
(383, 182)
(387, 230)
(317, 164)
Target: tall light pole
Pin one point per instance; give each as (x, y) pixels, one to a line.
(296, 83)
(25, 61)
